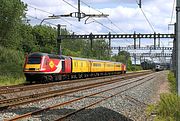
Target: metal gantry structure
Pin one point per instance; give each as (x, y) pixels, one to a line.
(110, 36)
(134, 36)
(142, 52)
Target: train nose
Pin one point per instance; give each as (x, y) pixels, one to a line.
(32, 67)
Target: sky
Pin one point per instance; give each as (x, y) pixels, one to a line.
(125, 17)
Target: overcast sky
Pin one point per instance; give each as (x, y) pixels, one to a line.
(124, 16)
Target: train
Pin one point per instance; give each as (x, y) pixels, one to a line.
(159, 67)
(146, 65)
(155, 66)
(43, 67)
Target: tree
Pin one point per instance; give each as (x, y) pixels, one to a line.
(124, 57)
(46, 38)
(12, 12)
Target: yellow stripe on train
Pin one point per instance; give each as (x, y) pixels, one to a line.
(32, 66)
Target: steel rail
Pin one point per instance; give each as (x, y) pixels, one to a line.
(46, 95)
(99, 101)
(77, 99)
(19, 88)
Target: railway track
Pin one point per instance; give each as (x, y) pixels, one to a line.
(5, 103)
(27, 87)
(99, 101)
(68, 91)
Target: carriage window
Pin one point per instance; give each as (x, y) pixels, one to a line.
(97, 64)
(34, 60)
(110, 65)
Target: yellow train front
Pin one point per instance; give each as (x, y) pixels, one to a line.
(44, 67)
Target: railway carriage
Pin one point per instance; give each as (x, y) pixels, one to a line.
(43, 67)
(109, 67)
(80, 67)
(97, 66)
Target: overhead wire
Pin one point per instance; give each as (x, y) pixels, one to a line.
(50, 14)
(172, 13)
(69, 4)
(148, 20)
(104, 25)
(39, 9)
(92, 18)
(151, 26)
(41, 20)
(106, 17)
(102, 13)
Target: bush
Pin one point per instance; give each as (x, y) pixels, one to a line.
(169, 106)
(11, 64)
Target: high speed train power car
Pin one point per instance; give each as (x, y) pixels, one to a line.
(159, 67)
(44, 67)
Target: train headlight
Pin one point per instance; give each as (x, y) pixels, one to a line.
(26, 69)
(37, 69)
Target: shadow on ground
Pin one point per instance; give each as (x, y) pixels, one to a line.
(95, 114)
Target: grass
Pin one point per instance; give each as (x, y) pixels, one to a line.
(168, 108)
(11, 66)
(172, 82)
(8, 80)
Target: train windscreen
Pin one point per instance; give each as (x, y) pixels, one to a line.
(34, 60)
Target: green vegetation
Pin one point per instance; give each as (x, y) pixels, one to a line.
(10, 80)
(168, 108)
(11, 63)
(18, 38)
(172, 82)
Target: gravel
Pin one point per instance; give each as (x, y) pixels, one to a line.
(114, 109)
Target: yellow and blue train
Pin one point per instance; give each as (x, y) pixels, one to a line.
(44, 67)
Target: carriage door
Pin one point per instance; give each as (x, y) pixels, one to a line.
(63, 66)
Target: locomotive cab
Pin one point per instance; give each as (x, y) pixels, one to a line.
(36, 62)
(42, 67)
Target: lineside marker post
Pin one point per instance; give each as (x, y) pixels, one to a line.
(178, 45)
